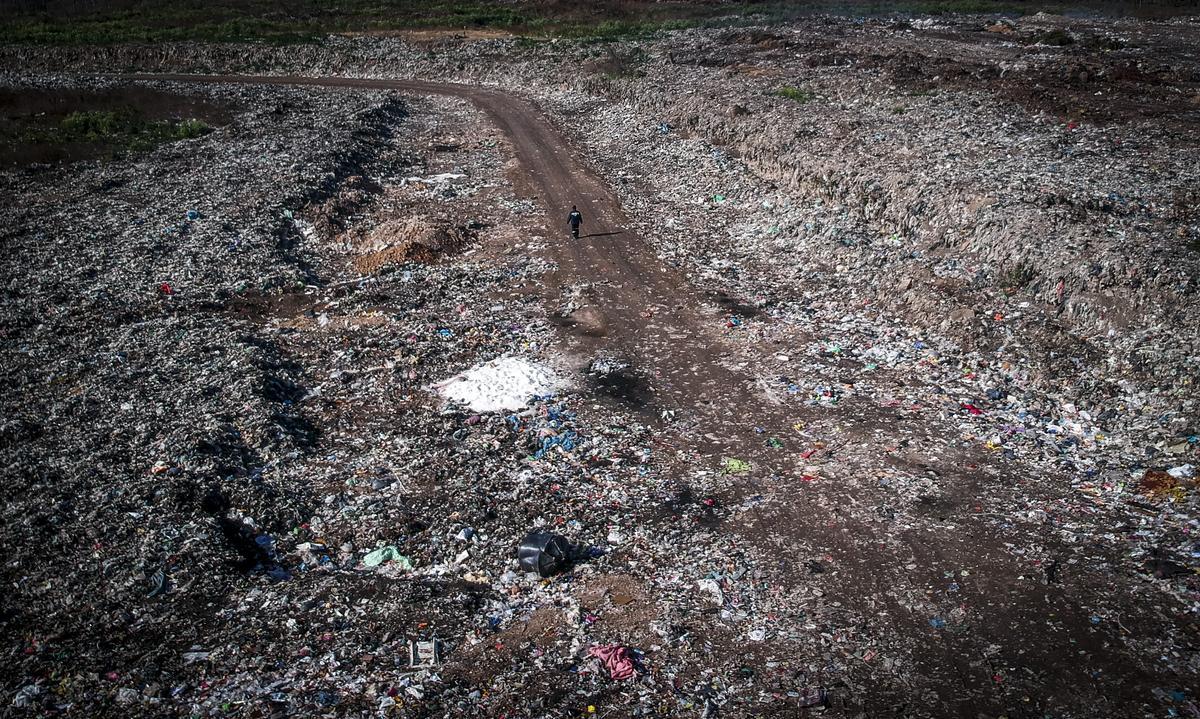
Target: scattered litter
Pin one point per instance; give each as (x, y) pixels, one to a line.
(909, 383)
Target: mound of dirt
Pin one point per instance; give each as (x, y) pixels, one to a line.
(413, 239)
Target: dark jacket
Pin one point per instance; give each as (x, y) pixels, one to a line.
(575, 219)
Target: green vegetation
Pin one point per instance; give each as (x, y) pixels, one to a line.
(65, 22)
(246, 20)
(795, 93)
(1057, 36)
(1017, 276)
(119, 130)
(615, 30)
(136, 28)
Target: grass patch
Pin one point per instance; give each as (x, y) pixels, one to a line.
(797, 94)
(119, 131)
(1056, 37)
(169, 27)
(613, 30)
(301, 21)
(306, 21)
(76, 22)
(1017, 276)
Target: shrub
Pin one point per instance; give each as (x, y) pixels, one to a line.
(188, 129)
(95, 124)
(795, 93)
(1058, 37)
(1018, 275)
(123, 130)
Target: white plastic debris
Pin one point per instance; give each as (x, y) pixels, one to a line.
(506, 383)
(1184, 471)
(438, 179)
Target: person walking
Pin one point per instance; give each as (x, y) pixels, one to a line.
(575, 219)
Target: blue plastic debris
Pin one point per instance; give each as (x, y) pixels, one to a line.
(566, 440)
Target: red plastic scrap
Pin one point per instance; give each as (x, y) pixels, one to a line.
(616, 659)
(971, 408)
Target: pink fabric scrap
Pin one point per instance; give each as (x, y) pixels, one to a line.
(616, 659)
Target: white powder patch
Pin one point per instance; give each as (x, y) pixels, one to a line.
(442, 179)
(506, 383)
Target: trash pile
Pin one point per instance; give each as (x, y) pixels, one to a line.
(309, 421)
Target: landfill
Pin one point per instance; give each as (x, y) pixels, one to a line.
(870, 388)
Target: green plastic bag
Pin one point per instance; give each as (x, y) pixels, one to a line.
(387, 554)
